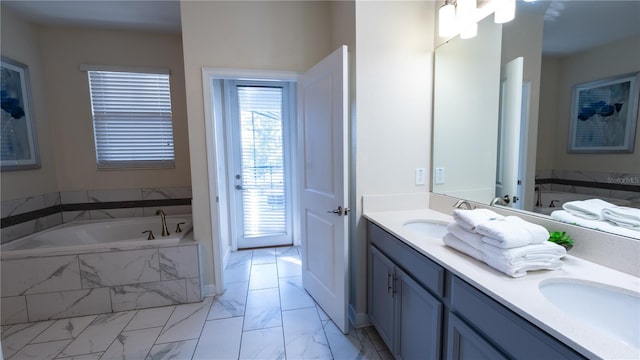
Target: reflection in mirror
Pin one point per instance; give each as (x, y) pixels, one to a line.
(563, 44)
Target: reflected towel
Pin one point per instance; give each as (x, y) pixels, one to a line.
(623, 216)
(471, 238)
(469, 219)
(567, 217)
(587, 209)
(511, 232)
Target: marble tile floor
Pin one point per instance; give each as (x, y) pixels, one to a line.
(263, 314)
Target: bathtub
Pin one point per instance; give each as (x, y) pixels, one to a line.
(79, 236)
(96, 267)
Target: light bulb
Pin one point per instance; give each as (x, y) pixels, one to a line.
(447, 20)
(505, 11)
(469, 31)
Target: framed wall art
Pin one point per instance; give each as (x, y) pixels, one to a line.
(604, 115)
(18, 141)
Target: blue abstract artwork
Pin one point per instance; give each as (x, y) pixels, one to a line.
(17, 147)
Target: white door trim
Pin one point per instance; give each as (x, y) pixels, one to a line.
(216, 169)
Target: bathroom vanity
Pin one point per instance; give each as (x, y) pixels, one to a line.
(429, 301)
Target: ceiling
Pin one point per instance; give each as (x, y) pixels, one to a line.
(153, 15)
(570, 26)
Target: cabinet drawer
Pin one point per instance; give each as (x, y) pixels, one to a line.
(510, 332)
(424, 271)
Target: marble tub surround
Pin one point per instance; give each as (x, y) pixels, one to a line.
(211, 329)
(24, 216)
(100, 282)
(520, 295)
(620, 186)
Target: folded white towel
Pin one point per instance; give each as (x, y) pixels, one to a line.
(588, 209)
(469, 219)
(452, 241)
(623, 216)
(471, 238)
(546, 251)
(567, 217)
(522, 269)
(517, 270)
(511, 232)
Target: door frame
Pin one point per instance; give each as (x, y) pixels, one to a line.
(217, 169)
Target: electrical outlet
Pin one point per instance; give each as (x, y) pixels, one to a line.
(420, 176)
(439, 176)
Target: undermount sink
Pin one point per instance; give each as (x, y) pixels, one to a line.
(613, 310)
(432, 228)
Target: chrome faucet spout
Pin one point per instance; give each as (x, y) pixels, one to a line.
(165, 231)
(462, 204)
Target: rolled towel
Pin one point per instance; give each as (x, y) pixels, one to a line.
(567, 217)
(587, 209)
(471, 238)
(469, 219)
(452, 241)
(623, 216)
(546, 251)
(522, 269)
(511, 231)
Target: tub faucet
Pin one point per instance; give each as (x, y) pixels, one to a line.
(538, 196)
(463, 204)
(165, 231)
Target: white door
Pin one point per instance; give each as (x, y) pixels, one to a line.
(259, 162)
(322, 150)
(507, 181)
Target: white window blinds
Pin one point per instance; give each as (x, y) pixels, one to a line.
(131, 119)
(263, 170)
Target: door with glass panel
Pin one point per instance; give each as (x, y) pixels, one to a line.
(259, 114)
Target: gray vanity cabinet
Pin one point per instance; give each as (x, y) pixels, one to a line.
(406, 315)
(463, 343)
(418, 319)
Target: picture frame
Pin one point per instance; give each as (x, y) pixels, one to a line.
(18, 140)
(604, 115)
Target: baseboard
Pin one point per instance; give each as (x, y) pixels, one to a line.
(358, 320)
(209, 290)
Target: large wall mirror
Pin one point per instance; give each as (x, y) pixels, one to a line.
(532, 70)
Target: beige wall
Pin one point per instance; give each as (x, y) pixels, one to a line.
(20, 43)
(69, 106)
(619, 58)
(394, 81)
(269, 35)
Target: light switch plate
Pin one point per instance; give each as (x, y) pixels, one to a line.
(420, 176)
(439, 176)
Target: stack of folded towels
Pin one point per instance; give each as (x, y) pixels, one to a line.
(508, 244)
(601, 215)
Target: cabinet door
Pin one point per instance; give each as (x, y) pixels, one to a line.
(463, 343)
(381, 309)
(419, 320)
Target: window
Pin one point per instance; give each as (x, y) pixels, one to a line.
(132, 121)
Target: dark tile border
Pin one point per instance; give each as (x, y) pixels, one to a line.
(52, 210)
(591, 184)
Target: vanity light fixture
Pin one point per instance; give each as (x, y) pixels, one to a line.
(463, 15)
(447, 19)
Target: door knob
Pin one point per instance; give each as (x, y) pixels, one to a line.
(238, 187)
(337, 211)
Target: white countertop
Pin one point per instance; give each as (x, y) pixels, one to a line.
(521, 295)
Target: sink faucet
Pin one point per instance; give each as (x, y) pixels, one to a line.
(463, 204)
(165, 231)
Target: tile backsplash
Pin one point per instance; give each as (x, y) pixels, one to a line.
(21, 217)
